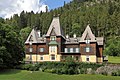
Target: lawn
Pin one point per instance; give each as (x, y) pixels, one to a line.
(112, 59)
(27, 75)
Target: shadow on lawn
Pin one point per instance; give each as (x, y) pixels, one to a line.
(9, 71)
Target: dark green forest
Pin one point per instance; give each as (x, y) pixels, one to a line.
(102, 15)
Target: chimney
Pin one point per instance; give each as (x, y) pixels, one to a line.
(67, 36)
(74, 35)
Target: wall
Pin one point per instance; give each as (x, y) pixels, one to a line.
(92, 58)
(45, 58)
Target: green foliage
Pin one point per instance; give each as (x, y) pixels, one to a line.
(113, 48)
(11, 47)
(62, 67)
(37, 75)
(112, 59)
(24, 33)
(104, 73)
(114, 73)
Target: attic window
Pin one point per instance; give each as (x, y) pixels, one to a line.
(31, 38)
(87, 39)
(53, 38)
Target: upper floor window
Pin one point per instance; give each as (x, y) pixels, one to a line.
(77, 50)
(52, 48)
(41, 49)
(87, 49)
(30, 49)
(71, 50)
(53, 38)
(66, 50)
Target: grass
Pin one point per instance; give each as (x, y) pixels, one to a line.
(27, 75)
(112, 59)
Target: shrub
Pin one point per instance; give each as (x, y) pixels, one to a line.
(104, 73)
(118, 72)
(83, 71)
(26, 66)
(62, 67)
(114, 73)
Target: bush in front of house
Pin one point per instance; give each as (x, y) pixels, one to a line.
(114, 73)
(63, 67)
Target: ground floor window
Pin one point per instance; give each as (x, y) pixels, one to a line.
(52, 57)
(30, 57)
(77, 58)
(87, 58)
(41, 57)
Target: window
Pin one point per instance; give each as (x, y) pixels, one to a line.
(77, 58)
(41, 57)
(71, 50)
(87, 58)
(53, 38)
(77, 50)
(30, 57)
(41, 49)
(66, 50)
(87, 41)
(63, 57)
(87, 49)
(30, 49)
(52, 57)
(52, 48)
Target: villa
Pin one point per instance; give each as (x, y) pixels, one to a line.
(54, 46)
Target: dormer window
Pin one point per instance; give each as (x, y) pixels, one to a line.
(53, 38)
(87, 41)
(31, 38)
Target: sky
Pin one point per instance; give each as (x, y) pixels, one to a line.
(10, 7)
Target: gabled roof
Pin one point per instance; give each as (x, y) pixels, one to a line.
(100, 40)
(55, 25)
(86, 33)
(32, 35)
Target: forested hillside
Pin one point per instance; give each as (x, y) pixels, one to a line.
(102, 15)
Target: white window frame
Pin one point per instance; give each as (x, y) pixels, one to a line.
(53, 38)
(52, 48)
(30, 49)
(41, 49)
(87, 49)
(77, 50)
(71, 50)
(66, 50)
(87, 41)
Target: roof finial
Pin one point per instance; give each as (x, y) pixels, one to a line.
(88, 23)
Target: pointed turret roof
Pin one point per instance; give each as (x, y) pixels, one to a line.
(55, 26)
(32, 37)
(88, 33)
